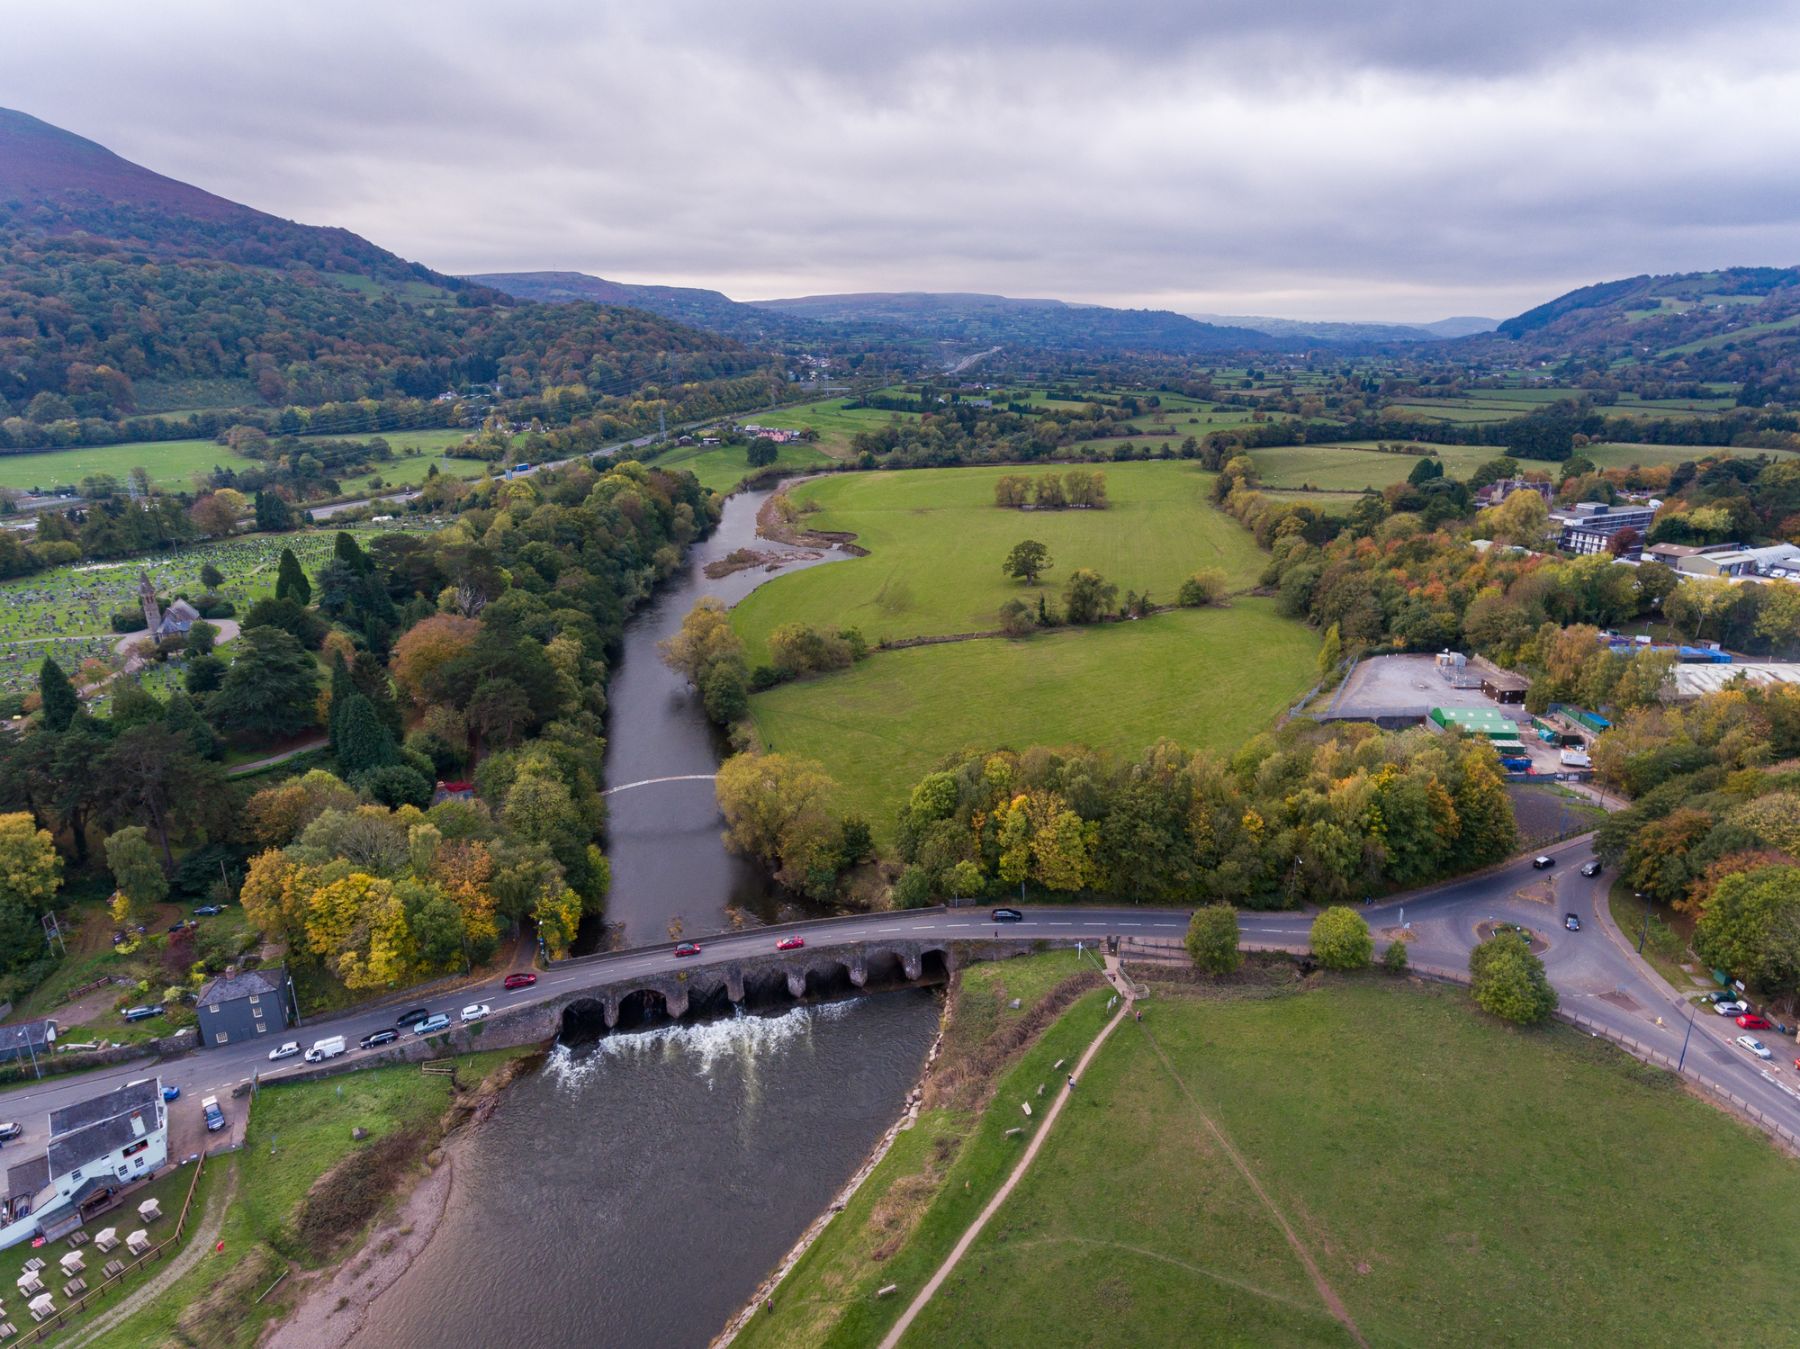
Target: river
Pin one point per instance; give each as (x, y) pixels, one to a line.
(637, 1188)
(667, 859)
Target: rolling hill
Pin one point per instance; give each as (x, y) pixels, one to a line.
(273, 312)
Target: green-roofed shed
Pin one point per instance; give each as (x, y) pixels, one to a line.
(1481, 721)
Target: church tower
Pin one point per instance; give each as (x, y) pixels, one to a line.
(147, 594)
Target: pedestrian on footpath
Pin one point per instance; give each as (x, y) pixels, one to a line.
(1071, 1081)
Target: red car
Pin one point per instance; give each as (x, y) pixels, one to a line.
(790, 943)
(519, 981)
(688, 948)
(1751, 1021)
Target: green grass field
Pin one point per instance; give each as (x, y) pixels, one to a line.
(173, 462)
(1621, 455)
(1352, 466)
(834, 422)
(1456, 1182)
(1205, 678)
(936, 541)
(720, 468)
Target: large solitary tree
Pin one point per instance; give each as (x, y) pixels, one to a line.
(1028, 560)
(270, 689)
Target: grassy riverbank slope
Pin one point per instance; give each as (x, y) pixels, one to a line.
(1207, 678)
(1455, 1182)
(936, 541)
(284, 1214)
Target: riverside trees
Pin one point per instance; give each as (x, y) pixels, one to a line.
(1295, 816)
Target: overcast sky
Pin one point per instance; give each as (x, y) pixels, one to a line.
(1389, 159)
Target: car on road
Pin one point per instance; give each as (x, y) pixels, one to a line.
(688, 948)
(328, 1048)
(286, 1051)
(1542, 861)
(208, 911)
(416, 1015)
(1572, 921)
(1755, 1046)
(1591, 868)
(143, 1013)
(790, 943)
(431, 1025)
(10, 1131)
(1007, 916)
(1730, 1008)
(386, 1036)
(1751, 1021)
(524, 979)
(475, 1011)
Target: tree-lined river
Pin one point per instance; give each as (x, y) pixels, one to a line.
(637, 1188)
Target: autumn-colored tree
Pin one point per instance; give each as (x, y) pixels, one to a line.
(558, 917)
(1012, 490)
(275, 896)
(463, 869)
(777, 808)
(705, 639)
(30, 868)
(421, 655)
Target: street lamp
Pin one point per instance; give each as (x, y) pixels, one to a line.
(1645, 934)
(1684, 1042)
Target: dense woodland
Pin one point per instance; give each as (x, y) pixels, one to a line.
(477, 652)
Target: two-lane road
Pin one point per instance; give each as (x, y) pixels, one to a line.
(1594, 971)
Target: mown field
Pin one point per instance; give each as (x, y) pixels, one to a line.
(936, 541)
(720, 468)
(1355, 465)
(1620, 455)
(835, 422)
(1456, 1182)
(173, 462)
(1205, 678)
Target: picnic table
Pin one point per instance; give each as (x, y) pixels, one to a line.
(75, 1288)
(113, 1269)
(106, 1239)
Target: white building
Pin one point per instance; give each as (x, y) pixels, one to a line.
(98, 1148)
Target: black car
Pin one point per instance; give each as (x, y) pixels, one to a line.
(413, 1017)
(1541, 861)
(1572, 922)
(207, 910)
(1007, 916)
(380, 1037)
(1591, 868)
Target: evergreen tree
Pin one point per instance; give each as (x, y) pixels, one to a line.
(362, 742)
(290, 580)
(184, 719)
(273, 514)
(346, 550)
(372, 680)
(61, 702)
(342, 688)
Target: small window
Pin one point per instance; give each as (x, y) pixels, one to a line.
(261, 1026)
(222, 1038)
(213, 1008)
(75, 1176)
(136, 1147)
(254, 999)
(256, 1012)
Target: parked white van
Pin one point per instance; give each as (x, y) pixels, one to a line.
(325, 1049)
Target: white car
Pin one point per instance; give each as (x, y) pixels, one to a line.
(475, 1011)
(286, 1051)
(1730, 1008)
(1755, 1046)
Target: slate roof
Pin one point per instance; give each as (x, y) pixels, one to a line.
(34, 1033)
(72, 1151)
(122, 1101)
(230, 987)
(27, 1178)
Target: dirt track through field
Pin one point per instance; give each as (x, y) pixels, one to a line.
(1327, 1293)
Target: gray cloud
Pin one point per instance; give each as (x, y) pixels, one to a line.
(1390, 160)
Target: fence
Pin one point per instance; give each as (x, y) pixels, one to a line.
(164, 1248)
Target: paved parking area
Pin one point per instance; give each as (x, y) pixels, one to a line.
(1406, 686)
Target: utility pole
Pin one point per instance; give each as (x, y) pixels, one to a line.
(1645, 934)
(1684, 1043)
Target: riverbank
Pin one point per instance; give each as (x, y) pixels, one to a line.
(308, 1189)
(1003, 1027)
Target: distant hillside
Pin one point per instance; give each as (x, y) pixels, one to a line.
(57, 183)
(1351, 332)
(300, 314)
(1052, 325)
(1738, 324)
(686, 304)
